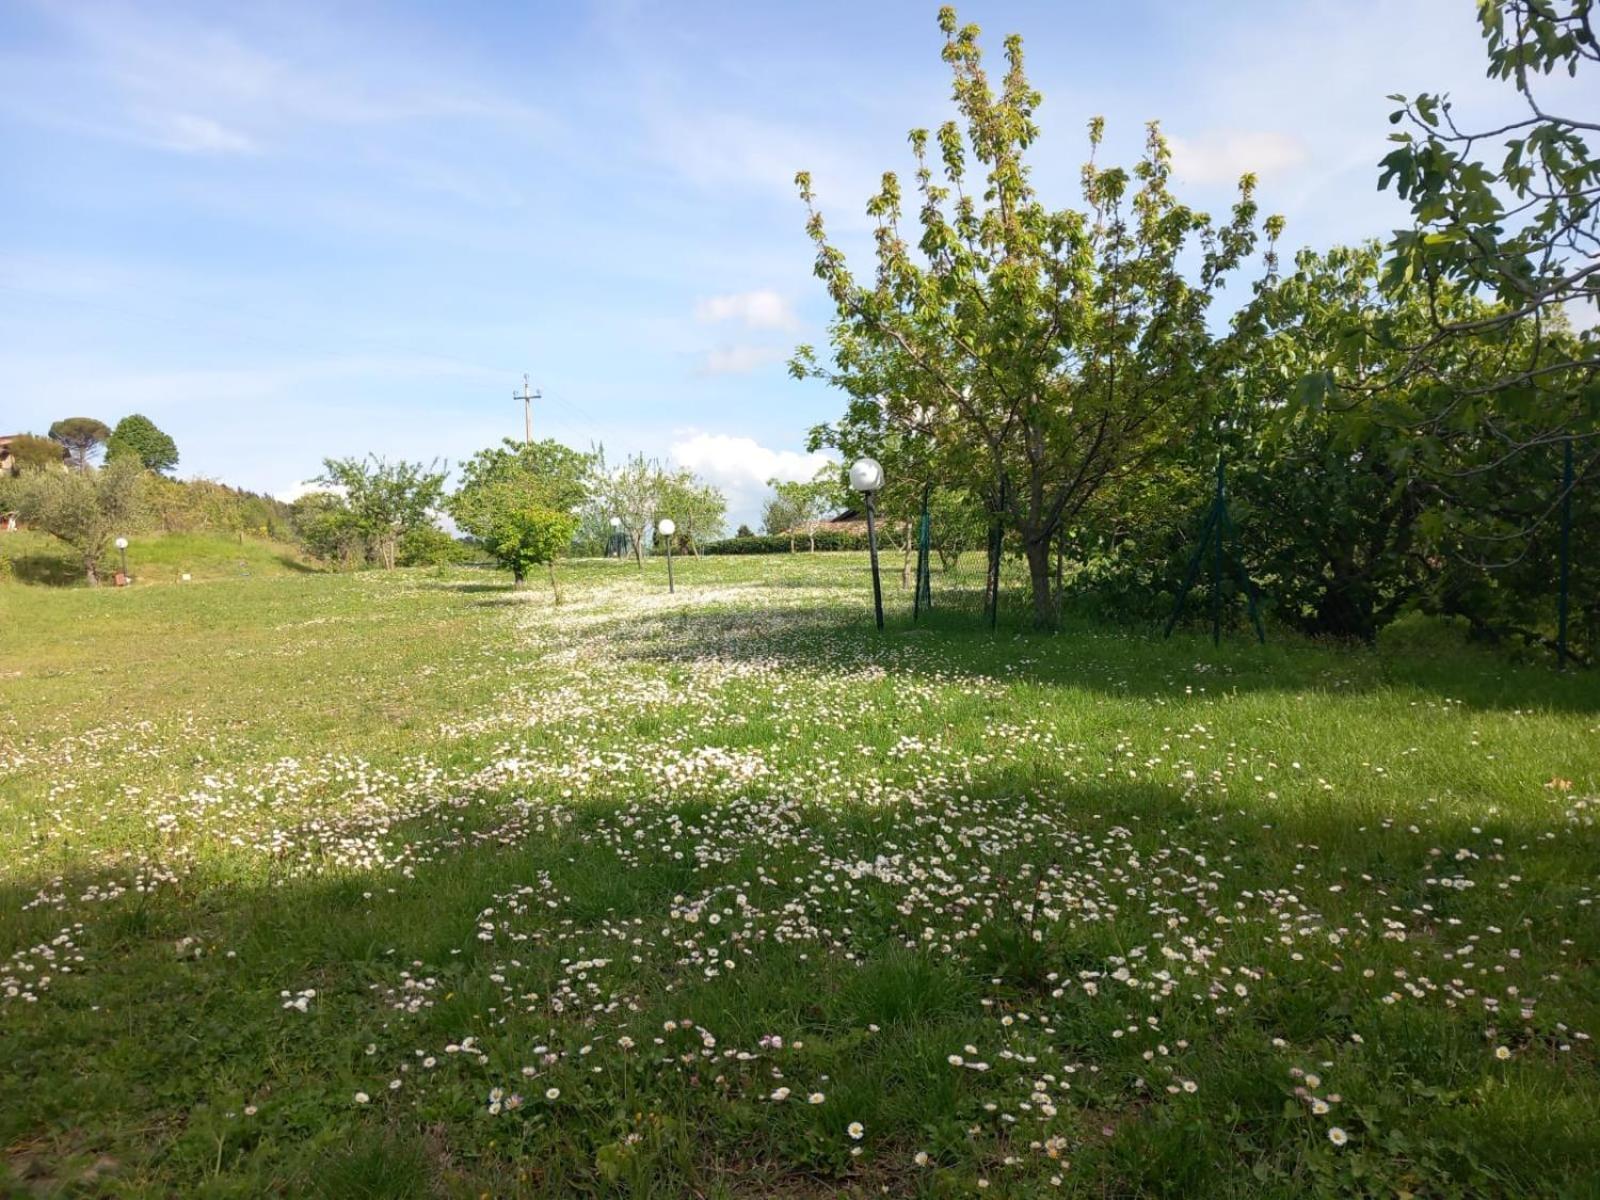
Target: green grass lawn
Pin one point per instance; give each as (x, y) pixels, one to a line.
(400, 885)
(36, 558)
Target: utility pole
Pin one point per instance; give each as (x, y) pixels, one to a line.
(527, 397)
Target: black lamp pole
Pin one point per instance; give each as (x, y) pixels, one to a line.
(872, 546)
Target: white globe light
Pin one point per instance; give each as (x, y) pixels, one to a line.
(667, 528)
(122, 543)
(616, 522)
(866, 475)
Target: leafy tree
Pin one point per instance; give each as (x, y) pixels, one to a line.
(744, 531)
(515, 498)
(808, 501)
(780, 515)
(85, 509)
(1523, 231)
(554, 475)
(1053, 349)
(697, 508)
(526, 535)
(30, 452)
(1502, 255)
(137, 437)
(633, 493)
(325, 525)
(81, 436)
(955, 524)
(385, 499)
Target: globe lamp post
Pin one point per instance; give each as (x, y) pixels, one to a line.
(666, 529)
(866, 477)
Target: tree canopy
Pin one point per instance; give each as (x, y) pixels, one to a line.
(1045, 351)
(136, 436)
(82, 437)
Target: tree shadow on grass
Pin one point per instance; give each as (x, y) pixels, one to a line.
(145, 1058)
(46, 570)
(1126, 661)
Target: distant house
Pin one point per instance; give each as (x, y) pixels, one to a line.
(850, 520)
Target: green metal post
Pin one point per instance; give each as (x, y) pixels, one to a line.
(1193, 572)
(1566, 554)
(1216, 559)
(921, 592)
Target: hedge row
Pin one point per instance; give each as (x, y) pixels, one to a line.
(828, 539)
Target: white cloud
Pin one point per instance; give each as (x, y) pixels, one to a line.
(741, 466)
(1221, 156)
(740, 360)
(759, 309)
(306, 487)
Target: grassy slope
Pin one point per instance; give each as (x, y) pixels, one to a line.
(466, 819)
(154, 558)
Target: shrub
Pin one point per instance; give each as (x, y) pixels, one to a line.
(430, 546)
(827, 539)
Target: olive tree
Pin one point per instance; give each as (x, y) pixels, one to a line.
(85, 509)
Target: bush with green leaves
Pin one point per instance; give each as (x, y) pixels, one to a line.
(826, 539)
(430, 546)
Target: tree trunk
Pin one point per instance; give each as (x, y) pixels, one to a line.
(555, 586)
(811, 533)
(905, 560)
(517, 577)
(1044, 609)
(91, 572)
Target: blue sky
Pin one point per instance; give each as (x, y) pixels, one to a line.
(287, 231)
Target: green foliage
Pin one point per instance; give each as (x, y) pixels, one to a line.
(827, 539)
(631, 492)
(1043, 351)
(698, 509)
(137, 437)
(800, 504)
(385, 500)
(430, 546)
(81, 437)
(1519, 229)
(519, 501)
(327, 529)
(30, 452)
(206, 505)
(546, 472)
(86, 509)
(525, 536)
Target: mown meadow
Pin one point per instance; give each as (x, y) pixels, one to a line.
(404, 883)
